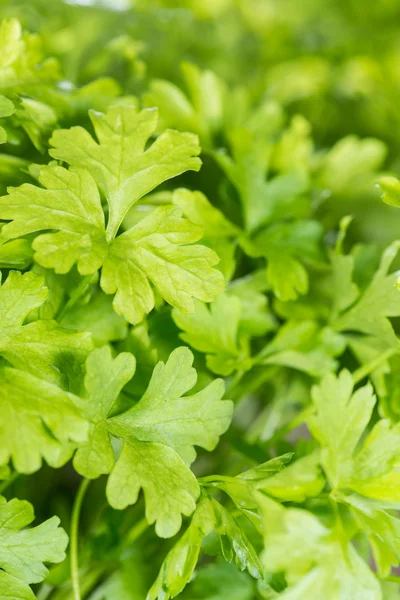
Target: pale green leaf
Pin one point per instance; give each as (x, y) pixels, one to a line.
(299, 480)
(170, 488)
(118, 161)
(286, 246)
(39, 421)
(16, 254)
(6, 109)
(235, 545)
(339, 422)
(350, 165)
(24, 549)
(199, 210)
(381, 527)
(199, 419)
(379, 301)
(105, 377)
(178, 567)
(40, 347)
(158, 434)
(390, 187)
(202, 112)
(215, 331)
(219, 232)
(98, 317)
(315, 561)
(370, 469)
(21, 59)
(68, 202)
(160, 250)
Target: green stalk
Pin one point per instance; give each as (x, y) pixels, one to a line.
(373, 364)
(74, 534)
(135, 532)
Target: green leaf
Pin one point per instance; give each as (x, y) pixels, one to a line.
(104, 380)
(295, 148)
(201, 112)
(69, 203)
(42, 347)
(339, 421)
(22, 67)
(215, 331)
(262, 200)
(118, 161)
(304, 346)
(235, 545)
(316, 562)
(6, 109)
(369, 469)
(160, 250)
(16, 254)
(156, 250)
(286, 246)
(23, 550)
(39, 420)
(98, 317)
(242, 489)
(300, 480)
(158, 434)
(199, 210)
(381, 527)
(390, 187)
(256, 317)
(219, 233)
(217, 581)
(351, 164)
(29, 80)
(170, 488)
(178, 567)
(140, 343)
(379, 301)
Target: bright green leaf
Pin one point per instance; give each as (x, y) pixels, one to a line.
(119, 163)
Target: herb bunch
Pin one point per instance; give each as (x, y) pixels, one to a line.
(199, 343)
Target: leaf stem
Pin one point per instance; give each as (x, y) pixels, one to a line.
(373, 364)
(74, 533)
(136, 532)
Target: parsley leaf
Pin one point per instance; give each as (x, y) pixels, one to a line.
(181, 561)
(215, 331)
(179, 565)
(364, 476)
(316, 561)
(201, 112)
(378, 302)
(39, 420)
(69, 203)
(23, 550)
(119, 163)
(158, 444)
(40, 347)
(159, 249)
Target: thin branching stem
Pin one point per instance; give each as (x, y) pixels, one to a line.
(74, 538)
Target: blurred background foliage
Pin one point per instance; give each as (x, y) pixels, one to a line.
(335, 62)
(307, 92)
